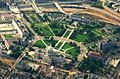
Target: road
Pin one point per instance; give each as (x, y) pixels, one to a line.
(28, 25)
(59, 8)
(61, 38)
(35, 7)
(108, 9)
(40, 62)
(82, 47)
(103, 14)
(106, 16)
(36, 36)
(63, 2)
(16, 62)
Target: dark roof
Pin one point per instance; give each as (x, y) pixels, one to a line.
(110, 46)
(95, 55)
(39, 1)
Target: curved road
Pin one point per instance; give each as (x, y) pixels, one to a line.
(82, 48)
(108, 9)
(107, 15)
(103, 14)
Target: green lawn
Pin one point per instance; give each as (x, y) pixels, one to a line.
(57, 27)
(58, 31)
(60, 43)
(49, 42)
(35, 18)
(80, 38)
(42, 29)
(39, 44)
(73, 52)
(66, 35)
(67, 45)
(8, 36)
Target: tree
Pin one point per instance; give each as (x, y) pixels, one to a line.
(91, 64)
(86, 76)
(16, 52)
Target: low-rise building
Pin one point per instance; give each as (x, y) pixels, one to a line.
(114, 62)
(95, 55)
(10, 28)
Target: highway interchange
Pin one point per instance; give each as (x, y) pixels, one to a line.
(106, 14)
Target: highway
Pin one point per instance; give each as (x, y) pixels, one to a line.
(105, 15)
(50, 3)
(108, 9)
(59, 8)
(102, 14)
(35, 7)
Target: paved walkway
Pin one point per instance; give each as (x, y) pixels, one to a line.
(61, 38)
(82, 48)
(66, 38)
